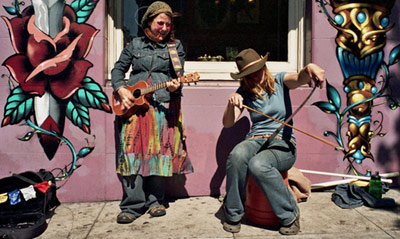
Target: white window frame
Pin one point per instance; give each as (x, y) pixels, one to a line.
(219, 71)
(115, 36)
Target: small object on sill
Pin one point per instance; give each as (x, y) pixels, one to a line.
(210, 58)
(202, 58)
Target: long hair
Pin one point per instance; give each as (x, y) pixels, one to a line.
(170, 38)
(255, 90)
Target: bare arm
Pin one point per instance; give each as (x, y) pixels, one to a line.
(308, 73)
(233, 110)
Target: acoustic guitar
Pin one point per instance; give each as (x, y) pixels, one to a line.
(141, 89)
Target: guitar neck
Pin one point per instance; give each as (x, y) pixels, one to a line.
(183, 79)
(153, 88)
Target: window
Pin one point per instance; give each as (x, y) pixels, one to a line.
(214, 31)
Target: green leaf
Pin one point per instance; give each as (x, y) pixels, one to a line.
(11, 10)
(83, 9)
(394, 55)
(91, 95)
(27, 136)
(19, 106)
(83, 152)
(333, 95)
(325, 107)
(79, 115)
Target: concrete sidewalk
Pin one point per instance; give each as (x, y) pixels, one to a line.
(199, 217)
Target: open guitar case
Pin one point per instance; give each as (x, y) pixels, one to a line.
(27, 218)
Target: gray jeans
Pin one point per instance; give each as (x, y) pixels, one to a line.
(265, 168)
(141, 193)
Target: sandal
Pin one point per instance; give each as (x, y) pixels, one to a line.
(293, 228)
(230, 226)
(157, 211)
(125, 218)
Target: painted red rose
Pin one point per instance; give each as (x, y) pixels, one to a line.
(41, 61)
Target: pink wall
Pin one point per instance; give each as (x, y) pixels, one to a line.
(208, 143)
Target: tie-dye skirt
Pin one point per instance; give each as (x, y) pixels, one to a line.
(153, 142)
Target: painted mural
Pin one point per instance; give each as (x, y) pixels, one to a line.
(361, 38)
(48, 77)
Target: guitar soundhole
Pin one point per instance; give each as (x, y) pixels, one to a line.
(136, 93)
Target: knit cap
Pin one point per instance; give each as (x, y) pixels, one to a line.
(154, 9)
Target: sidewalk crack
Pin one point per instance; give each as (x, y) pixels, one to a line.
(95, 220)
(374, 223)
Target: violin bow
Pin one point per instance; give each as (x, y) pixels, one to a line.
(286, 123)
(337, 147)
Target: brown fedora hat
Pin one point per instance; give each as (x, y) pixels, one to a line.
(248, 61)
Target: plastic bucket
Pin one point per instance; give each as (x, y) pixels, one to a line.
(257, 207)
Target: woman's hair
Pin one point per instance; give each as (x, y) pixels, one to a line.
(255, 90)
(170, 38)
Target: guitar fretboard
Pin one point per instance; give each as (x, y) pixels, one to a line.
(183, 79)
(153, 88)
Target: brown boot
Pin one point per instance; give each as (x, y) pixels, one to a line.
(125, 218)
(157, 211)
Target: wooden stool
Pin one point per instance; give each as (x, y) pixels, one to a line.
(257, 207)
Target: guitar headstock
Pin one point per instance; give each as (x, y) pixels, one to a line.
(190, 78)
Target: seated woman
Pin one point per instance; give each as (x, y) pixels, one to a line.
(270, 96)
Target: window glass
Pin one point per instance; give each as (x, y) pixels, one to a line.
(214, 30)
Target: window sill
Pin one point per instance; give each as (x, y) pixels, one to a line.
(220, 71)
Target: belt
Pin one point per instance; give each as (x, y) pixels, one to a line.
(266, 136)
